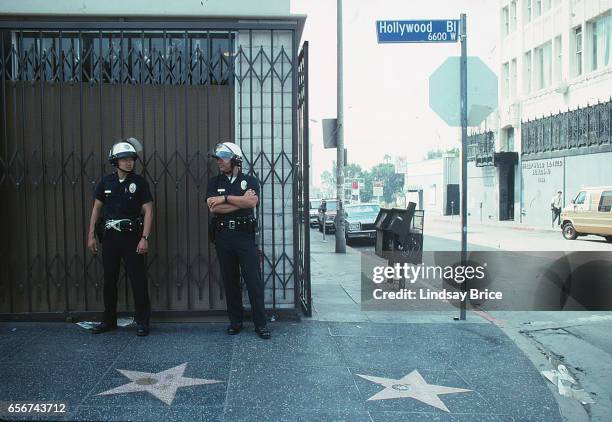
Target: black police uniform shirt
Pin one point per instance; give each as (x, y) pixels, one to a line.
(221, 186)
(123, 199)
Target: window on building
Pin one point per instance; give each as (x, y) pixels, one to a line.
(543, 66)
(432, 194)
(505, 21)
(558, 65)
(506, 80)
(577, 51)
(199, 58)
(513, 78)
(508, 140)
(528, 10)
(605, 203)
(527, 72)
(513, 21)
(546, 5)
(537, 8)
(601, 33)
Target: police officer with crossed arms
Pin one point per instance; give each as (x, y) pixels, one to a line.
(125, 200)
(232, 197)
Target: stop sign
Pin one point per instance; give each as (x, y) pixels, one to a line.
(444, 91)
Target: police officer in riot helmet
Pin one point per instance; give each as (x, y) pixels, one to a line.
(232, 197)
(126, 204)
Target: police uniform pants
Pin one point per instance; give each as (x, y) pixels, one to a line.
(118, 246)
(237, 254)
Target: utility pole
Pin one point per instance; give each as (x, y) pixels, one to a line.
(340, 241)
(464, 122)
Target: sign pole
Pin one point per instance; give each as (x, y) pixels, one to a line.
(445, 31)
(464, 122)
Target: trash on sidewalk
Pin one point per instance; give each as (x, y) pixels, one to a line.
(563, 380)
(121, 322)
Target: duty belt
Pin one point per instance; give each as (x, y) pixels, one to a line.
(124, 225)
(244, 224)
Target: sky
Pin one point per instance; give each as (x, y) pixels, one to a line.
(386, 89)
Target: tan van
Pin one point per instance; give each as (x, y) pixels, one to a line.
(590, 212)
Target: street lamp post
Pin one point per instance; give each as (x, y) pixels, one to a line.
(340, 241)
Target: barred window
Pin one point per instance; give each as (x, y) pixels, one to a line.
(152, 57)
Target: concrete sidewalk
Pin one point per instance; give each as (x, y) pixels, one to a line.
(319, 371)
(343, 364)
(336, 288)
(577, 340)
(476, 222)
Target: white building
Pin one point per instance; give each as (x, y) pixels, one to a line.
(555, 84)
(434, 185)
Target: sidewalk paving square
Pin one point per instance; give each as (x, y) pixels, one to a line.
(309, 370)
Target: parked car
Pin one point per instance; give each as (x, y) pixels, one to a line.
(314, 212)
(590, 212)
(359, 221)
(330, 216)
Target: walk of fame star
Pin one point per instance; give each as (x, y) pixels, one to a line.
(162, 385)
(413, 386)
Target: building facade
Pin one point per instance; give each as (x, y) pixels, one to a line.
(180, 76)
(434, 185)
(552, 128)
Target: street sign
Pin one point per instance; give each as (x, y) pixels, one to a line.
(330, 127)
(444, 89)
(355, 185)
(434, 31)
(377, 188)
(448, 91)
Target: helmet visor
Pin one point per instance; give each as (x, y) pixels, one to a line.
(224, 155)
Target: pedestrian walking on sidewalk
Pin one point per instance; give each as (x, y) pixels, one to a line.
(232, 197)
(126, 204)
(555, 208)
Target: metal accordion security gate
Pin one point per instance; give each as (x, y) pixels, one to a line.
(72, 88)
(303, 179)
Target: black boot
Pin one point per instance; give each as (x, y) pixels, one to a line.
(234, 329)
(142, 330)
(103, 327)
(263, 332)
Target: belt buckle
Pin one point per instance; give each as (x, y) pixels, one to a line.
(232, 224)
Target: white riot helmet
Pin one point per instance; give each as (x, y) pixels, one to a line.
(228, 151)
(126, 148)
